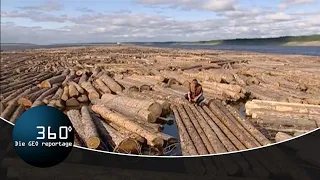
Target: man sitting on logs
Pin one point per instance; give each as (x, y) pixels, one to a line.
(195, 94)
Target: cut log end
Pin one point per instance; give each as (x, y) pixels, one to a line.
(93, 142)
(128, 146)
(158, 142)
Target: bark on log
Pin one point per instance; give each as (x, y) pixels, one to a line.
(55, 97)
(2, 107)
(76, 120)
(46, 100)
(249, 127)
(280, 136)
(15, 94)
(282, 107)
(65, 95)
(132, 112)
(196, 139)
(121, 143)
(83, 79)
(285, 130)
(151, 106)
(73, 92)
(233, 119)
(103, 87)
(234, 129)
(199, 129)
(69, 78)
(78, 87)
(128, 133)
(125, 122)
(49, 82)
(187, 145)
(112, 84)
(91, 135)
(225, 129)
(28, 100)
(50, 91)
(214, 140)
(17, 113)
(219, 132)
(92, 92)
(11, 106)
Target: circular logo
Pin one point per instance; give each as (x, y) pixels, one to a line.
(43, 136)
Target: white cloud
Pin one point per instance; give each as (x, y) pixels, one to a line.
(48, 5)
(289, 3)
(280, 16)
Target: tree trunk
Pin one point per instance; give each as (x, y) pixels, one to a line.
(72, 102)
(65, 95)
(199, 129)
(92, 92)
(91, 135)
(83, 98)
(233, 127)
(112, 84)
(15, 94)
(225, 129)
(28, 100)
(73, 92)
(280, 136)
(11, 106)
(69, 78)
(187, 145)
(214, 140)
(50, 91)
(103, 87)
(78, 87)
(233, 119)
(49, 82)
(151, 106)
(125, 122)
(55, 97)
(196, 139)
(121, 143)
(17, 113)
(83, 78)
(76, 120)
(249, 127)
(128, 133)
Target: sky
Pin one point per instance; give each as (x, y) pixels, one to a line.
(84, 21)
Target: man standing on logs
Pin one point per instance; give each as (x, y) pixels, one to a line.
(195, 94)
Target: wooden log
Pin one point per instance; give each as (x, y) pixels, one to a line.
(190, 67)
(15, 94)
(76, 120)
(128, 133)
(219, 132)
(199, 129)
(83, 78)
(128, 111)
(282, 107)
(17, 113)
(280, 136)
(233, 119)
(225, 129)
(233, 127)
(83, 98)
(70, 77)
(46, 100)
(125, 122)
(92, 92)
(73, 92)
(187, 146)
(65, 95)
(214, 140)
(285, 130)
(72, 102)
(78, 87)
(196, 139)
(11, 106)
(91, 135)
(55, 97)
(2, 107)
(49, 82)
(249, 126)
(103, 87)
(239, 80)
(269, 119)
(121, 143)
(149, 105)
(112, 84)
(50, 91)
(28, 100)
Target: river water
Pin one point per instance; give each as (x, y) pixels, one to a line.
(300, 50)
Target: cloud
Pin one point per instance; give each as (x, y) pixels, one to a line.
(209, 5)
(280, 16)
(85, 10)
(45, 6)
(289, 3)
(36, 16)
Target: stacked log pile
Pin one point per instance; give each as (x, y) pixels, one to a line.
(119, 98)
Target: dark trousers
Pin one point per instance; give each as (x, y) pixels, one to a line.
(199, 100)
